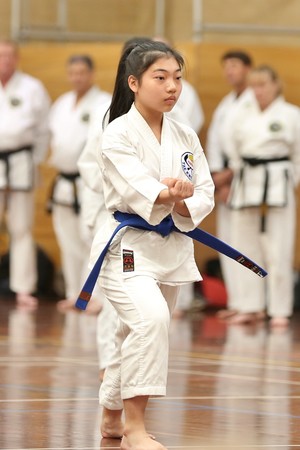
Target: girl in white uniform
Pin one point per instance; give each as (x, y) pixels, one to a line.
(154, 167)
(265, 156)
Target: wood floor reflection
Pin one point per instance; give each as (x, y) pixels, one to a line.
(230, 387)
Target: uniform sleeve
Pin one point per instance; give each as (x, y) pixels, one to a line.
(214, 151)
(41, 104)
(123, 167)
(88, 164)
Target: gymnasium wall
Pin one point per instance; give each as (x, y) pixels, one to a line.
(137, 17)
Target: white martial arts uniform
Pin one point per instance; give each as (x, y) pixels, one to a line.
(94, 214)
(272, 135)
(24, 139)
(142, 269)
(217, 156)
(69, 122)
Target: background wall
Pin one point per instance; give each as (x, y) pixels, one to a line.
(273, 22)
(46, 59)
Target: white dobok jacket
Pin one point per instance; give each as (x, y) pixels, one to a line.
(24, 109)
(133, 163)
(217, 139)
(69, 125)
(265, 154)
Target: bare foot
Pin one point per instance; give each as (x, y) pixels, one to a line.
(140, 441)
(261, 315)
(68, 304)
(27, 301)
(226, 313)
(112, 426)
(108, 443)
(279, 322)
(243, 318)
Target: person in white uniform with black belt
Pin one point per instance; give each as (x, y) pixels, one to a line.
(70, 117)
(236, 66)
(265, 156)
(24, 140)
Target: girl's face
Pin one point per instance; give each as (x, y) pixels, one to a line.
(265, 88)
(159, 87)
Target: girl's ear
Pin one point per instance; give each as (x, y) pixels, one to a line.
(133, 83)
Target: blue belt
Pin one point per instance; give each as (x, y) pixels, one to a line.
(164, 228)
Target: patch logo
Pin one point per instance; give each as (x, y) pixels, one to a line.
(275, 126)
(128, 260)
(187, 164)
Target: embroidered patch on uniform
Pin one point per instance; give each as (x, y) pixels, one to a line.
(275, 126)
(85, 117)
(187, 164)
(128, 261)
(15, 101)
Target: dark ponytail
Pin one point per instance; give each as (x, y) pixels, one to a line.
(135, 60)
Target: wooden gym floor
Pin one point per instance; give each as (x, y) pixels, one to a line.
(230, 387)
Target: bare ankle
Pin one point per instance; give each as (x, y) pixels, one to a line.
(112, 425)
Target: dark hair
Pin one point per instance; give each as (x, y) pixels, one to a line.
(135, 60)
(85, 59)
(238, 54)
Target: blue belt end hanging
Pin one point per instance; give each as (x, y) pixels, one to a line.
(81, 304)
(83, 299)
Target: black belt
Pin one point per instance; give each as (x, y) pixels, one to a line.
(72, 177)
(257, 162)
(5, 155)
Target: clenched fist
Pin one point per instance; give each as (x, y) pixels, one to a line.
(178, 189)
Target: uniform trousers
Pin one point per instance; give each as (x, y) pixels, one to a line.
(107, 321)
(230, 269)
(272, 249)
(74, 248)
(139, 364)
(185, 297)
(23, 263)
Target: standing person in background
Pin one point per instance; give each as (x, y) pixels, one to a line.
(265, 155)
(236, 67)
(188, 110)
(24, 140)
(143, 160)
(69, 121)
